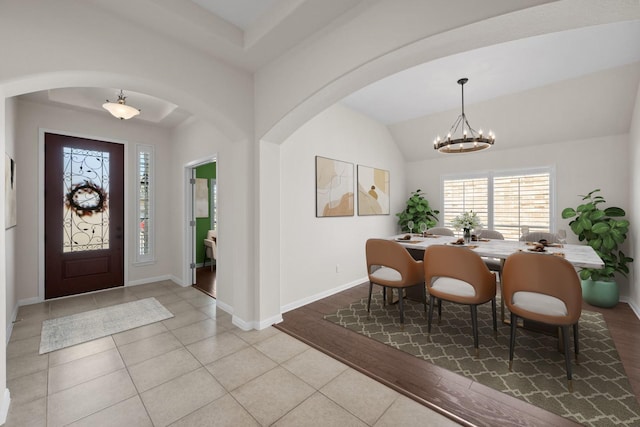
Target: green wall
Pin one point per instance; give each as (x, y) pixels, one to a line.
(203, 224)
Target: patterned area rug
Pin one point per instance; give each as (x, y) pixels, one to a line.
(82, 327)
(602, 394)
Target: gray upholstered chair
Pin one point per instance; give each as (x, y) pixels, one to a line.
(543, 289)
(491, 234)
(459, 275)
(210, 247)
(391, 266)
(441, 231)
(536, 236)
(494, 264)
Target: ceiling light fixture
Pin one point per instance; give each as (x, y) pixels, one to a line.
(469, 141)
(120, 109)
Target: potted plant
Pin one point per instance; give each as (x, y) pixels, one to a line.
(603, 230)
(418, 211)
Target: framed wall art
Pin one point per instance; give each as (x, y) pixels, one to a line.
(334, 188)
(373, 191)
(10, 207)
(202, 198)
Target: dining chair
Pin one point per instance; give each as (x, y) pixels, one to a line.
(391, 266)
(536, 236)
(210, 247)
(494, 264)
(459, 275)
(441, 231)
(545, 289)
(491, 234)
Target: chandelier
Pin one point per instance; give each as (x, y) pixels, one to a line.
(469, 141)
(120, 109)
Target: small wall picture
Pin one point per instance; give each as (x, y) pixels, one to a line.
(334, 188)
(10, 207)
(373, 191)
(202, 198)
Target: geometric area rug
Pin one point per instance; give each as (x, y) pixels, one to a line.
(82, 327)
(602, 394)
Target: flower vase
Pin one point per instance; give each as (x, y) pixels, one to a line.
(467, 235)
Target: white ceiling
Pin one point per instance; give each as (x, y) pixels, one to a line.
(498, 70)
(250, 33)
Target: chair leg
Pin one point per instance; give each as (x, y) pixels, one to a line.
(400, 298)
(567, 358)
(204, 257)
(424, 297)
(369, 302)
(439, 310)
(512, 339)
(474, 326)
(431, 301)
(495, 321)
(576, 345)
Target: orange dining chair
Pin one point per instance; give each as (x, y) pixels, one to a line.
(545, 289)
(459, 275)
(391, 266)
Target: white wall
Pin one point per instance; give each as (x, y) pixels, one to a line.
(580, 166)
(312, 247)
(634, 213)
(10, 235)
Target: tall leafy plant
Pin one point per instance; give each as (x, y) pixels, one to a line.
(417, 210)
(604, 232)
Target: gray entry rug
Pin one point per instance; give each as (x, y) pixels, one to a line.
(602, 394)
(82, 327)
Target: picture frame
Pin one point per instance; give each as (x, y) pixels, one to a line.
(10, 193)
(334, 188)
(373, 191)
(202, 198)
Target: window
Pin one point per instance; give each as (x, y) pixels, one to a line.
(144, 192)
(505, 201)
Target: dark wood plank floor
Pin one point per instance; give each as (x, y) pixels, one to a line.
(461, 399)
(206, 280)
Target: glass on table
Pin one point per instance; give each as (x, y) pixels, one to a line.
(423, 228)
(410, 225)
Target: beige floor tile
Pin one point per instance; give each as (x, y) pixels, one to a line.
(85, 369)
(281, 347)
(221, 413)
(179, 305)
(254, 336)
(240, 367)
(130, 413)
(184, 318)
(320, 411)
(68, 306)
(31, 414)
(284, 390)
(28, 388)
(365, 398)
(137, 334)
(26, 365)
(314, 367)
(213, 348)
(88, 398)
(406, 412)
(26, 347)
(165, 299)
(26, 311)
(119, 296)
(188, 293)
(201, 300)
(142, 293)
(160, 369)
(26, 329)
(79, 351)
(181, 396)
(197, 331)
(148, 348)
(222, 318)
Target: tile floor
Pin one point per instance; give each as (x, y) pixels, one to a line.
(195, 369)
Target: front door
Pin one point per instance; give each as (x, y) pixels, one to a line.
(84, 215)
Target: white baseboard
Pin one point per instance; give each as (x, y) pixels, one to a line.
(4, 406)
(323, 294)
(269, 322)
(224, 307)
(634, 307)
(151, 280)
(29, 301)
(245, 326)
(14, 316)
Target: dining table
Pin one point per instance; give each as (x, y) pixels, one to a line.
(580, 256)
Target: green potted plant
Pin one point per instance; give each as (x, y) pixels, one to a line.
(604, 230)
(418, 211)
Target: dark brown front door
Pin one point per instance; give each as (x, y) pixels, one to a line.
(84, 215)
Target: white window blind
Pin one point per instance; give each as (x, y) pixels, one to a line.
(504, 201)
(144, 192)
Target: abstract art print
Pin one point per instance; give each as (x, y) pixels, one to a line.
(10, 210)
(373, 191)
(334, 187)
(202, 198)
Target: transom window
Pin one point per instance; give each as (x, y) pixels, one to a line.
(506, 201)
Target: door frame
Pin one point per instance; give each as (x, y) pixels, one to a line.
(189, 275)
(127, 207)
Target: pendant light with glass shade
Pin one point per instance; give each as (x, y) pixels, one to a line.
(469, 141)
(120, 109)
